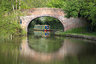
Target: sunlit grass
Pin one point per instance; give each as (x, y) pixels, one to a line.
(78, 31)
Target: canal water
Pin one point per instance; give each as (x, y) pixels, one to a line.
(45, 48)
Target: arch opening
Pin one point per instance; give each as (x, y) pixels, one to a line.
(54, 23)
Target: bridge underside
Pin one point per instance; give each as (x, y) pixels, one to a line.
(68, 23)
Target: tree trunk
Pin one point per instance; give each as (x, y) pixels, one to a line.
(12, 3)
(16, 4)
(19, 4)
(13, 7)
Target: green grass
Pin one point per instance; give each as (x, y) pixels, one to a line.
(78, 31)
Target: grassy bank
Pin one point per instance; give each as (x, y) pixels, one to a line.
(78, 31)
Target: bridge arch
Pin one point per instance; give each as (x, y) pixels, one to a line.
(68, 23)
(45, 16)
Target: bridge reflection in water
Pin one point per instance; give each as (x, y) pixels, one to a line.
(42, 33)
(47, 50)
(66, 48)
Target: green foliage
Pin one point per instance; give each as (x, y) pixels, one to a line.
(5, 5)
(72, 8)
(77, 8)
(24, 5)
(56, 3)
(9, 24)
(33, 3)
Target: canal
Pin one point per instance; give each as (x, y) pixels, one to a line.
(45, 48)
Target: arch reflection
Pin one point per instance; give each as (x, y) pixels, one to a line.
(67, 48)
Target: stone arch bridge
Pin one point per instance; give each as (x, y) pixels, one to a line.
(68, 23)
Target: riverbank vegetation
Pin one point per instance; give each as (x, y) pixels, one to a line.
(82, 31)
(10, 12)
(78, 8)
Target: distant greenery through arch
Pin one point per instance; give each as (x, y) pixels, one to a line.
(46, 20)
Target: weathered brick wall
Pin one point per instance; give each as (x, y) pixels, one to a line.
(68, 23)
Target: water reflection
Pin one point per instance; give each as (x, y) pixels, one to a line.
(42, 33)
(57, 50)
(47, 50)
(67, 48)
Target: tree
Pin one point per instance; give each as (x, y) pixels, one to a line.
(77, 8)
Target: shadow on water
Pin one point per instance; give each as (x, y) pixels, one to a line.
(45, 48)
